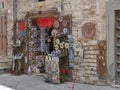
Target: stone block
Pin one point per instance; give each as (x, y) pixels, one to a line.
(93, 78)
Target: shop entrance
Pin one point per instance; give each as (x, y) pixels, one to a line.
(50, 48)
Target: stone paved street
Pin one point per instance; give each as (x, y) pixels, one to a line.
(24, 82)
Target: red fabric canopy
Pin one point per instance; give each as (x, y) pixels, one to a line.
(44, 22)
(20, 25)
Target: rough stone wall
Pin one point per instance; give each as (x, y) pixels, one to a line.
(8, 8)
(10, 27)
(82, 11)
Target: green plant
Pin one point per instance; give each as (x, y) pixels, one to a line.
(63, 75)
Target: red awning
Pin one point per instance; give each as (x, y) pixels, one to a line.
(44, 22)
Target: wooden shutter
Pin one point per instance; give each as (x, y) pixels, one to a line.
(3, 35)
(0, 36)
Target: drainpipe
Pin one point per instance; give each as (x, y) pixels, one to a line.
(61, 7)
(15, 10)
(14, 19)
(14, 25)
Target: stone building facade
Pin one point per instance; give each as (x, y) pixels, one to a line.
(91, 66)
(82, 11)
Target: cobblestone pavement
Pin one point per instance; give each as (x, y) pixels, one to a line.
(33, 82)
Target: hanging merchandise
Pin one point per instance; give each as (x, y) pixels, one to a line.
(19, 29)
(29, 70)
(18, 42)
(43, 45)
(61, 45)
(20, 34)
(54, 32)
(70, 39)
(57, 41)
(20, 26)
(65, 30)
(56, 47)
(64, 23)
(60, 19)
(71, 56)
(71, 53)
(66, 45)
(48, 46)
(17, 64)
(56, 24)
(17, 33)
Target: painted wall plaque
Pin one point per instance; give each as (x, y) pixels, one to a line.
(88, 30)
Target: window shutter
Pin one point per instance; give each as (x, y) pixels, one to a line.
(3, 35)
(0, 35)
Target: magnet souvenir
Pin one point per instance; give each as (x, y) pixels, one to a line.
(61, 45)
(54, 32)
(57, 41)
(65, 30)
(66, 45)
(56, 24)
(56, 47)
(60, 19)
(64, 23)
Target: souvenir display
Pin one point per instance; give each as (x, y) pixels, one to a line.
(47, 46)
